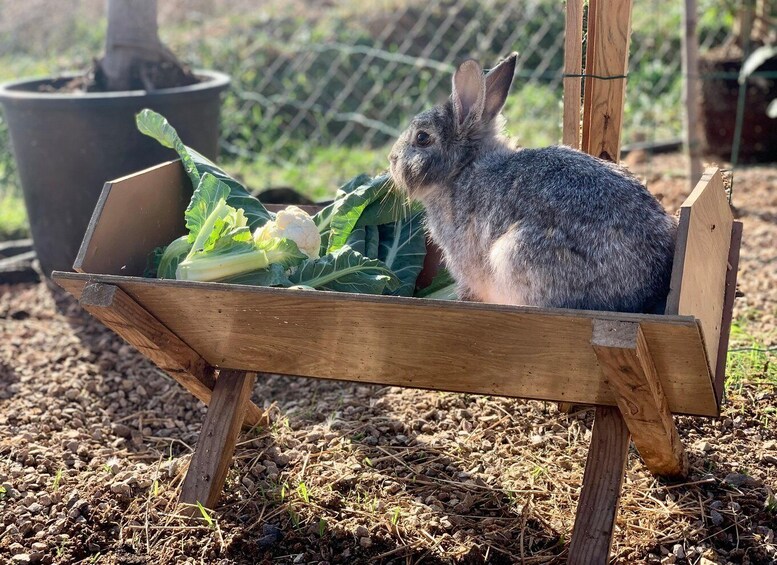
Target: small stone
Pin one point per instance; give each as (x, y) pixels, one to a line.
(770, 459)
(703, 446)
(122, 489)
(362, 532)
(21, 558)
(299, 558)
(716, 517)
(678, 551)
(35, 508)
(71, 393)
(706, 561)
(121, 430)
(739, 480)
(39, 546)
(366, 543)
(770, 445)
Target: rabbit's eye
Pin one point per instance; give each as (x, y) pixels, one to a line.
(423, 139)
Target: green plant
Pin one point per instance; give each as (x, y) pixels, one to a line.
(57, 479)
(302, 490)
(206, 515)
(370, 240)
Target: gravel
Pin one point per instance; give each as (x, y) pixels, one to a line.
(94, 442)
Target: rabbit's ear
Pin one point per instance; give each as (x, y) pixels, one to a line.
(469, 92)
(498, 81)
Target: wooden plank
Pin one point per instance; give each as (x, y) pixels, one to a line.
(593, 8)
(628, 367)
(728, 308)
(114, 308)
(216, 444)
(609, 30)
(573, 65)
(698, 284)
(457, 346)
(598, 504)
(134, 215)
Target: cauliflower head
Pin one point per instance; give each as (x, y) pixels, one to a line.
(295, 224)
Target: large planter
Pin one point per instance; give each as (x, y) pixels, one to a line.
(719, 70)
(68, 145)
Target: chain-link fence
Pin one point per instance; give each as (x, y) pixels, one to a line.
(320, 89)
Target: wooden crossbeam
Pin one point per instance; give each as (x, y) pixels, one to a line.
(216, 444)
(119, 312)
(628, 368)
(601, 491)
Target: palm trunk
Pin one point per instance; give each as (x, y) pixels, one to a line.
(135, 57)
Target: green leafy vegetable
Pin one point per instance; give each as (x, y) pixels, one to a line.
(442, 287)
(345, 270)
(372, 240)
(403, 249)
(156, 126)
(350, 206)
(274, 275)
(172, 256)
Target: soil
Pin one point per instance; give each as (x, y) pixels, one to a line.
(146, 75)
(94, 442)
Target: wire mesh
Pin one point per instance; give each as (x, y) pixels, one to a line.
(320, 89)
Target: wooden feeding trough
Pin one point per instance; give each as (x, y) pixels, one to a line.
(637, 369)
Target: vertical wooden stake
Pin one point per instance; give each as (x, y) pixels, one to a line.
(573, 65)
(216, 445)
(607, 57)
(690, 66)
(598, 505)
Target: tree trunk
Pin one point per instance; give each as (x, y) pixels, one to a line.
(135, 58)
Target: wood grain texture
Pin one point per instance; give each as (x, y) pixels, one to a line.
(455, 346)
(609, 31)
(598, 504)
(573, 65)
(627, 365)
(216, 444)
(728, 308)
(119, 312)
(698, 284)
(134, 215)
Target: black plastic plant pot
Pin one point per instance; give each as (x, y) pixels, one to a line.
(67, 145)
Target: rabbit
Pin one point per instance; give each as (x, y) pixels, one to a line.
(551, 227)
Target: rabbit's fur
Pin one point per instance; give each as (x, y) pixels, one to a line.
(550, 227)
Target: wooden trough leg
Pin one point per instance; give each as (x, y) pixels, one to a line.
(598, 505)
(118, 311)
(628, 368)
(216, 444)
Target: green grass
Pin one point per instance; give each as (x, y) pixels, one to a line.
(750, 360)
(13, 217)
(318, 172)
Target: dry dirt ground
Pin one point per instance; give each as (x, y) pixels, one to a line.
(94, 441)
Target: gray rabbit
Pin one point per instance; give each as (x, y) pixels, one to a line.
(551, 227)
